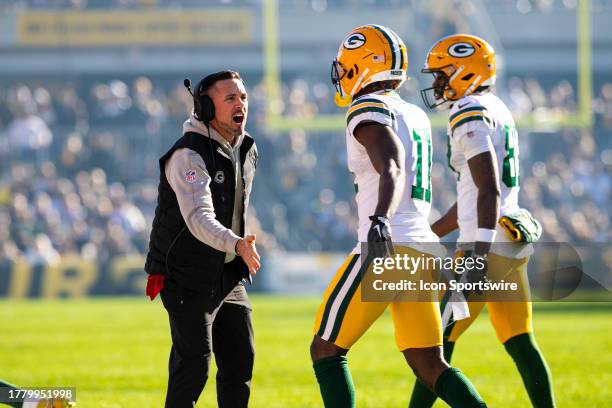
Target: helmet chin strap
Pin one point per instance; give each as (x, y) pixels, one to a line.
(343, 99)
(471, 88)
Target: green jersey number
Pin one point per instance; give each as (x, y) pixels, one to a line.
(511, 175)
(421, 189)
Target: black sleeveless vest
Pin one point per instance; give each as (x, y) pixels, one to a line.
(173, 250)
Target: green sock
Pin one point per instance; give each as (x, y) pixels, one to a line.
(423, 397)
(335, 382)
(457, 391)
(4, 384)
(533, 369)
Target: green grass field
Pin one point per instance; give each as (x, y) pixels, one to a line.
(115, 350)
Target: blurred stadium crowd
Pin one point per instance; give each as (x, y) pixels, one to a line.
(79, 167)
(79, 170)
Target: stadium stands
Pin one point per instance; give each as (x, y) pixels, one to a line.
(78, 153)
(70, 182)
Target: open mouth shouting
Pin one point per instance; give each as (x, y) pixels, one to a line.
(238, 118)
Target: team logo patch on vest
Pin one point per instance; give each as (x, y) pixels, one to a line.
(191, 176)
(219, 177)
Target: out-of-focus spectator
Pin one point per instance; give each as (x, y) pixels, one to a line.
(92, 190)
(603, 105)
(27, 133)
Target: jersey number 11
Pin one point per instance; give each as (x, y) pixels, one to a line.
(421, 188)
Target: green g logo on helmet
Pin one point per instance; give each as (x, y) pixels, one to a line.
(354, 41)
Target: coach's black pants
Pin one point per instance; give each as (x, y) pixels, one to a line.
(198, 330)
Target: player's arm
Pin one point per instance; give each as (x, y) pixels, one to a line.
(387, 155)
(472, 128)
(484, 173)
(447, 223)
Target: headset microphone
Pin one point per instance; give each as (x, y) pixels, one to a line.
(187, 84)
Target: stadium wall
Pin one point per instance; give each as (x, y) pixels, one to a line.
(72, 277)
(304, 36)
(556, 271)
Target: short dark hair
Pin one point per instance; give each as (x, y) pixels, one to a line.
(208, 81)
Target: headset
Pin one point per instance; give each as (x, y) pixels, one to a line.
(203, 106)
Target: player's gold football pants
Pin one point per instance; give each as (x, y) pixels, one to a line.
(343, 317)
(509, 319)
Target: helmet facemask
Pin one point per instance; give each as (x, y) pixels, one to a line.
(338, 72)
(440, 91)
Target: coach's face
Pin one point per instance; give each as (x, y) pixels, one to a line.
(231, 105)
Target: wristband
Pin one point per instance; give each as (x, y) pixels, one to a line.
(485, 235)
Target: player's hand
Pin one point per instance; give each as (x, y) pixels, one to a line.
(379, 237)
(478, 272)
(245, 248)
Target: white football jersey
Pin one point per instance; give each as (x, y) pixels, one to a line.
(476, 124)
(411, 124)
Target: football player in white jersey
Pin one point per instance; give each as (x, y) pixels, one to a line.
(483, 151)
(389, 152)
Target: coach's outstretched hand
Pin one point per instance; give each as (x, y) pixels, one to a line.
(245, 248)
(379, 237)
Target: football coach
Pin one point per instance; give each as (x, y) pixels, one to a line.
(199, 254)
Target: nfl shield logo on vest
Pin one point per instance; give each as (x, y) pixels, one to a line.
(190, 176)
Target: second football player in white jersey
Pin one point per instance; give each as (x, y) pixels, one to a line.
(478, 124)
(484, 152)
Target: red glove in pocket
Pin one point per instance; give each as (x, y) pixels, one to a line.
(155, 283)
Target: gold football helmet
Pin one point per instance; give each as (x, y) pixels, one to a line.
(370, 53)
(461, 64)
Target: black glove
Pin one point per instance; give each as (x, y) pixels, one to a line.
(479, 269)
(379, 237)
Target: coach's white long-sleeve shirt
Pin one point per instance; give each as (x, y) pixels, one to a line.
(190, 179)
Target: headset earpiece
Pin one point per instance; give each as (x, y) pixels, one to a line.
(207, 109)
(203, 106)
